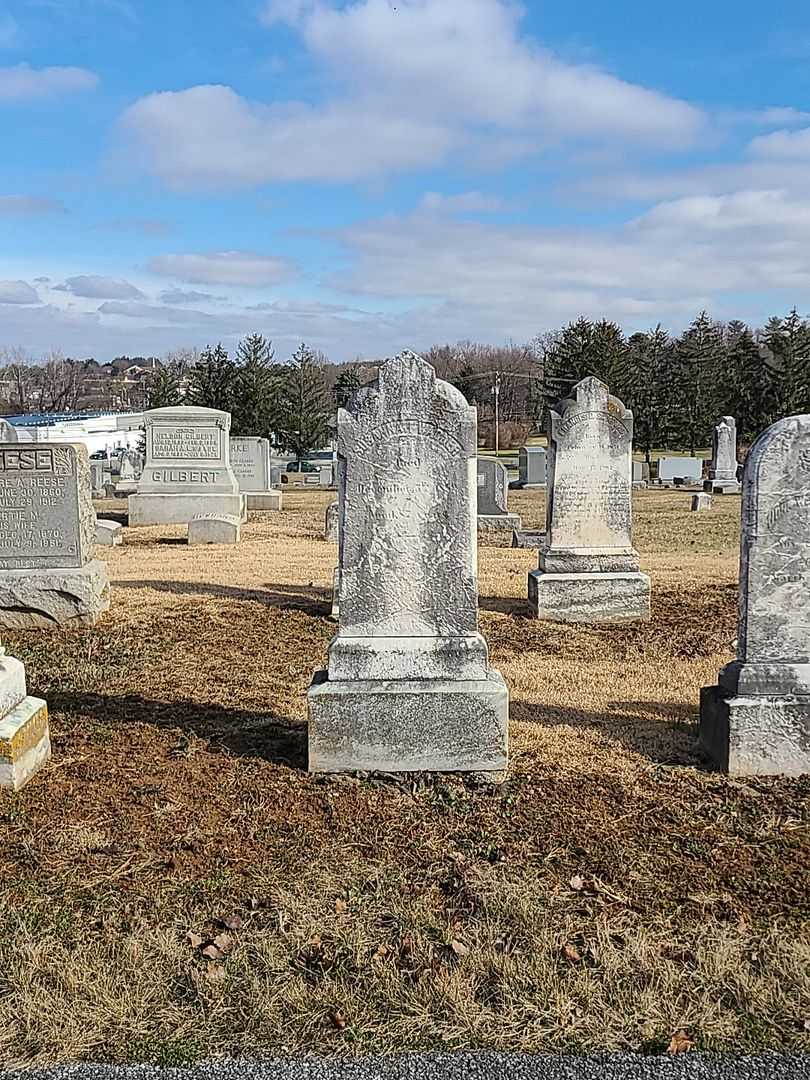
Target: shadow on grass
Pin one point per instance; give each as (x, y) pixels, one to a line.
(240, 732)
(314, 601)
(663, 732)
(121, 517)
(507, 605)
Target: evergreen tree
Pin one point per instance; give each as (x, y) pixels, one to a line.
(212, 380)
(698, 369)
(788, 342)
(304, 404)
(753, 384)
(346, 386)
(648, 387)
(164, 388)
(255, 409)
(580, 349)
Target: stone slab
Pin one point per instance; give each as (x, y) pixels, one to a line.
(492, 487)
(701, 501)
(69, 596)
(498, 522)
(452, 726)
(441, 657)
(250, 462)
(528, 538)
(124, 488)
(25, 744)
(12, 683)
(587, 598)
(331, 522)
(46, 507)
(263, 500)
(722, 487)
(214, 529)
(109, 533)
(180, 509)
(686, 468)
(763, 735)
(532, 467)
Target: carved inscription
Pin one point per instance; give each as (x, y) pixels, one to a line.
(39, 509)
(186, 443)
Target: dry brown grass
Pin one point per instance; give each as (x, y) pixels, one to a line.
(611, 891)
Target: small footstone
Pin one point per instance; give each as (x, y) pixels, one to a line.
(702, 502)
(265, 500)
(214, 529)
(109, 533)
(25, 743)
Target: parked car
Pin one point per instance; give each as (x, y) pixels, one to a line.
(299, 469)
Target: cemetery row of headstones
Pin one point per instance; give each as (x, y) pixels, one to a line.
(408, 684)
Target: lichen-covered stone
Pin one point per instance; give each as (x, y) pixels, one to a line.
(109, 533)
(68, 596)
(25, 744)
(757, 718)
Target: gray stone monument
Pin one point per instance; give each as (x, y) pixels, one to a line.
(688, 469)
(97, 479)
(214, 529)
(25, 744)
(756, 720)
(723, 469)
(493, 486)
(330, 527)
(8, 433)
(408, 685)
(109, 533)
(187, 469)
(250, 461)
(48, 575)
(701, 500)
(532, 466)
(589, 569)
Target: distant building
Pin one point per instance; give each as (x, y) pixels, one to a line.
(99, 432)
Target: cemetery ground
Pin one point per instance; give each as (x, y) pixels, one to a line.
(175, 885)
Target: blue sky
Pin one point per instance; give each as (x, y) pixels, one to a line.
(370, 175)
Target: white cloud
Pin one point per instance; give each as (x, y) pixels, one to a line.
(416, 82)
(133, 310)
(96, 287)
(466, 202)
(183, 296)
(29, 206)
(17, 292)
(223, 268)
(22, 82)
(9, 31)
(783, 144)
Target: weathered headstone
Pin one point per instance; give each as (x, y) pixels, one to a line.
(187, 469)
(532, 466)
(326, 475)
(8, 432)
(756, 720)
(723, 469)
(250, 461)
(641, 474)
(589, 569)
(130, 471)
(688, 469)
(48, 575)
(493, 486)
(25, 744)
(109, 533)
(408, 685)
(214, 529)
(97, 479)
(330, 528)
(701, 501)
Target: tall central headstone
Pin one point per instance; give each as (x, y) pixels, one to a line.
(589, 569)
(723, 470)
(187, 469)
(757, 719)
(408, 685)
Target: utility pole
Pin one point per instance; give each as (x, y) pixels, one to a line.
(496, 391)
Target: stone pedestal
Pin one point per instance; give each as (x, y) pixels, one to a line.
(721, 487)
(64, 596)
(263, 500)
(499, 522)
(180, 509)
(408, 725)
(25, 744)
(589, 598)
(755, 736)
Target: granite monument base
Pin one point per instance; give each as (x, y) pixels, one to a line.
(589, 598)
(124, 488)
(499, 522)
(177, 509)
(766, 735)
(408, 726)
(263, 500)
(25, 744)
(722, 487)
(72, 596)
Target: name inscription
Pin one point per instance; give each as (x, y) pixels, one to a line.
(186, 444)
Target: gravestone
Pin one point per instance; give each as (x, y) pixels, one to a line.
(723, 469)
(527, 538)
(130, 470)
(214, 529)
(493, 485)
(187, 469)
(688, 469)
(589, 569)
(97, 479)
(8, 432)
(109, 533)
(756, 720)
(532, 466)
(250, 461)
(25, 744)
(330, 528)
(641, 474)
(48, 575)
(326, 475)
(701, 501)
(408, 685)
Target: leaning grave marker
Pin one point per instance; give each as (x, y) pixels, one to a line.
(187, 469)
(47, 530)
(588, 567)
(408, 684)
(756, 720)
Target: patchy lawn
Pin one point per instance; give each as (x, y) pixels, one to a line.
(175, 884)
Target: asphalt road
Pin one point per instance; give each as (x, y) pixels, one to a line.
(462, 1066)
